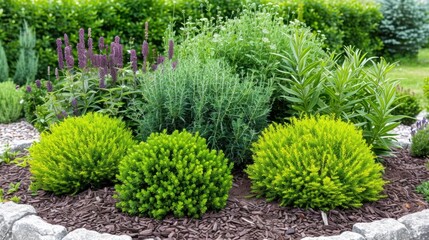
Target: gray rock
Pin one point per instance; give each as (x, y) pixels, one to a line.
(11, 212)
(344, 236)
(387, 228)
(33, 227)
(84, 234)
(417, 224)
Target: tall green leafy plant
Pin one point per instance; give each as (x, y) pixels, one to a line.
(4, 68)
(356, 89)
(26, 67)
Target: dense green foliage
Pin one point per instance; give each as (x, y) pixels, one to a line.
(404, 28)
(420, 143)
(126, 18)
(4, 67)
(343, 22)
(406, 104)
(204, 97)
(26, 67)
(315, 162)
(426, 89)
(34, 97)
(175, 174)
(10, 102)
(78, 153)
(424, 189)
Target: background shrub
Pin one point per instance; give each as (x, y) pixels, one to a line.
(426, 89)
(4, 67)
(79, 153)
(204, 97)
(405, 28)
(423, 188)
(408, 105)
(420, 143)
(175, 174)
(10, 102)
(26, 67)
(315, 163)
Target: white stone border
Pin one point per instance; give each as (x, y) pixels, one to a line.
(20, 222)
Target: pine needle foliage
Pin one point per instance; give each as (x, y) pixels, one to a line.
(205, 97)
(175, 174)
(10, 102)
(4, 68)
(79, 153)
(316, 162)
(26, 67)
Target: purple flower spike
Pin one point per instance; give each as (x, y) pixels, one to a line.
(38, 83)
(117, 39)
(174, 64)
(170, 49)
(102, 82)
(81, 55)
(69, 57)
(82, 36)
(49, 86)
(74, 103)
(60, 54)
(90, 51)
(66, 40)
(145, 50)
(160, 60)
(133, 60)
(101, 44)
(28, 89)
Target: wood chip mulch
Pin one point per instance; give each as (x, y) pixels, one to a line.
(243, 217)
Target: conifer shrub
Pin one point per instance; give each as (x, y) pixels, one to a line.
(406, 104)
(173, 174)
(315, 162)
(78, 153)
(10, 102)
(420, 143)
(4, 67)
(26, 67)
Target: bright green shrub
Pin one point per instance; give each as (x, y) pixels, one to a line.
(406, 104)
(26, 67)
(316, 162)
(420, 143)
(10, 102)
(80, 152)
(405, 28)
(4, 67)
(175, 174)
(204, 97)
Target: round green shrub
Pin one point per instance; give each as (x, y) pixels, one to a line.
(10, 102)
(316, 162)
(406, 104)
(420, 143)
(174, 173)
(78, 153)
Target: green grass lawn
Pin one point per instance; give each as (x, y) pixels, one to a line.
(412, 74)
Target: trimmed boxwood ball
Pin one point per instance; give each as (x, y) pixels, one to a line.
(79, 153)
(315, 162)
(173, 174)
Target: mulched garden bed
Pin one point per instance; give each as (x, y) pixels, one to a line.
(243, 217)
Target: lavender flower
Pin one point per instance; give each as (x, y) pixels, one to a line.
(62, 115)
(28, 89)
(174, 65)
(89, 32)
(145, 50)
(82, 37)
(133, 60)
(102, 81)
(170, 49)
(160, 60)
(117, 52)
(420, 125)
(81, 55)
(90, 51)
(101, 44)
(49, 86)
(66, 40)
(69, 57)
(38, 83)
(74, 103)
(60, 54)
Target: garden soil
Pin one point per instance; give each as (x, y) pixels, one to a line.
(244, 217)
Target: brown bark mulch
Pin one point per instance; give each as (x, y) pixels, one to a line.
(243, 217)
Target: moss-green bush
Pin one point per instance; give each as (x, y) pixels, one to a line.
(175, 174)
(316, 162)
(78, 153)
(406, 104)
(10, 102)
(420, 143)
